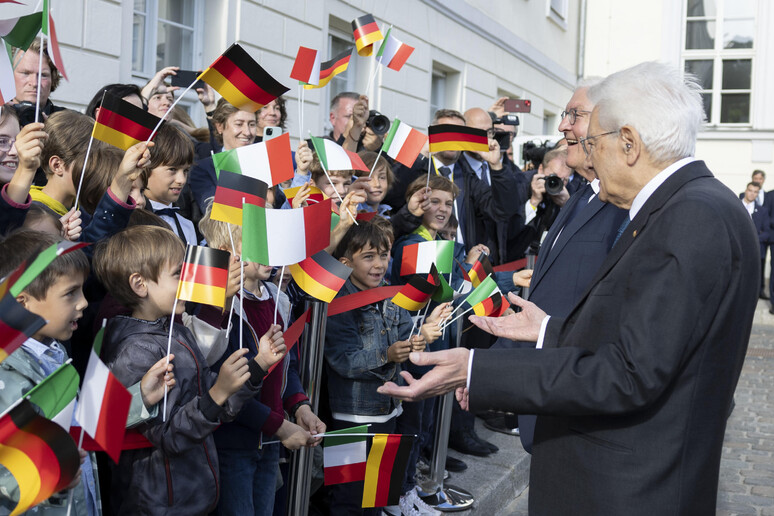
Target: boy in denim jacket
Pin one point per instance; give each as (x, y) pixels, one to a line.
(363, 349)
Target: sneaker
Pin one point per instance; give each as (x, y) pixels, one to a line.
(406, 506)
(391, 510)
(418, 505)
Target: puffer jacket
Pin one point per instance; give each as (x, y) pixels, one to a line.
(179, 474)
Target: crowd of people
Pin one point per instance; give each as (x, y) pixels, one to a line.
(215, 448)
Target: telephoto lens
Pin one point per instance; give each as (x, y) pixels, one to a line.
(554, 184)
(378, 123)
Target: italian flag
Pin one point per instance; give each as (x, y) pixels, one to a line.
(393, 53)
(284, 237)
(7, 83)
(419, 258)
(344, 458)
(403, 143)
(306, 68)
(104, 404)
(270, 161)
(334, 157)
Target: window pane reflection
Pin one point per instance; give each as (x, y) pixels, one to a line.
(700, 34)
(735, 108)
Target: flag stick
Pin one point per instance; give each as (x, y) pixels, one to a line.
(341, 201)
(424, 316)
(276, 301)
(375, 162)
(300, 111)
(460, 315)
(231, 308)
(303, 94)
(164, 116)
(70, 494)
(169, 342)
(334, 435)
(83, 170)
(429, 166)
(40, 73)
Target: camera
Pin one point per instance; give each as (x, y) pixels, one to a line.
(504, 138)
(378, 123)
(554, 184)
(532, 152)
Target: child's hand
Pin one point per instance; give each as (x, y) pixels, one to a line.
(419, 202)
(233, 375)
(439, 313)
(522, 278)
(152, 384)
(299, 201)
(293, 436)
(234, 270)
(430, 331)
(349, 205)
(71, 225)
(399, 351)
(309, 421)
(304, 158)
(475, 252)
(135, 159)
(418, 342)
(29, 146)
(271, 347)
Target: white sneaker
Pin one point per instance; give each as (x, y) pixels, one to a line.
(391, 510)
(419, 506)
(406, 505)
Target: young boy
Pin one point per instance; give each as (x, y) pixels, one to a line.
(249, 470)
(363, 349)
(178, 472)
(165, 176)
(56, 295)
(339, 178)
(381, 181)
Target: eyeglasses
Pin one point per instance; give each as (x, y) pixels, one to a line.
(6, 144)
(573, 114)
(588, 142)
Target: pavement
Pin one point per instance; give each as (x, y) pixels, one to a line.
(500, 482)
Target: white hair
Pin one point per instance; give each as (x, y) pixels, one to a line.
(664, 107)
(588, 82)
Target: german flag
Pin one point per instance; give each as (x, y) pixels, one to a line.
(232, 189)
(122, 124)
(321, 275)
(366, 33)
(417, 292)
(332, 68)
(242, 81)
(17, 324)
(204, 276)
(385, 469)
(480, 270)
(491, 306)
(40, 455)
(453, 137)
(315, 194)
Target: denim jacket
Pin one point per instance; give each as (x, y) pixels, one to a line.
(356, 345)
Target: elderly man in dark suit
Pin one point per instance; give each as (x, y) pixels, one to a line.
(632, 389)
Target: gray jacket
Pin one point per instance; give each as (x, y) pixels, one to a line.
(179, 474)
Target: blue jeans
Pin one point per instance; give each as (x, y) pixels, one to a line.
(248, 479)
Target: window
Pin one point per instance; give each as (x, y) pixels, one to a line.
(719, 50)
(557, 11)
(437, 92)
(165, 33)
(344, 81)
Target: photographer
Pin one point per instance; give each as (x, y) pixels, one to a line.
(364, 129)
(548, 187)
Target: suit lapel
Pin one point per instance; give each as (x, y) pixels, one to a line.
(656, 201)
(551, 237)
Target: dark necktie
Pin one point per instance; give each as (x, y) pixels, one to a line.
(172, 212)
(621, 230)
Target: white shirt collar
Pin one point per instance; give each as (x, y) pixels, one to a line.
(595, 186)
(654, 183)
(158, 205)
(35, 347)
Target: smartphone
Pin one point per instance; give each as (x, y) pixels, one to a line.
(271, 133)
(518, 106)
(186, 77)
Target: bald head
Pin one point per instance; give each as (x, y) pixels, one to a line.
(478, 118)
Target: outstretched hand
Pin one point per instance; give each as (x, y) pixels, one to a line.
(524, 325)
(449, 373)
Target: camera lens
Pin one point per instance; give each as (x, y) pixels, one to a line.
(554, 184)
(378, 123)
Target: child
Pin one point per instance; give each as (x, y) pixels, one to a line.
(178, 472)
(363, 349)
(56, 295)
(165, 176)
(334, 188)
(248, 470)
(381, 181)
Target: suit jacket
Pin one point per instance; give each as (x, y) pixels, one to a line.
(768, 205)
(760, 219)
(633, 390)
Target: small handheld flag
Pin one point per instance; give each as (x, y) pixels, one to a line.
(366, 33)
(334, 157)
(419, 258)
(270, 161)
(491, 306)
(453, 137)
(306, 68)
(486, 289)
(122, 124)
(480, 270)
(17, 324)
(104, 403)
(232, 190)
(393, 53)
(403, 143)
(20, 32)
(331, 68)
(55, 395)
(321, 276)
(204, 276)
(417, 292)
(42, 261)
(284, 237)
(344, 458)
(315, 194)
(48, 28)
(241, 80)
(385, 469)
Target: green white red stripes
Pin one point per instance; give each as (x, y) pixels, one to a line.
(419, 258)
(335, 157)
(270, 162)
(344, 458)
(403, 143)
(393, 53)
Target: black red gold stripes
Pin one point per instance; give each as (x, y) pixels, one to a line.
(230, 193)
(385, 469)
(321, 276)
(330, 69)
(366, 32)
(204, 276)
(17, 324)
(122, 124)
(453, 137)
